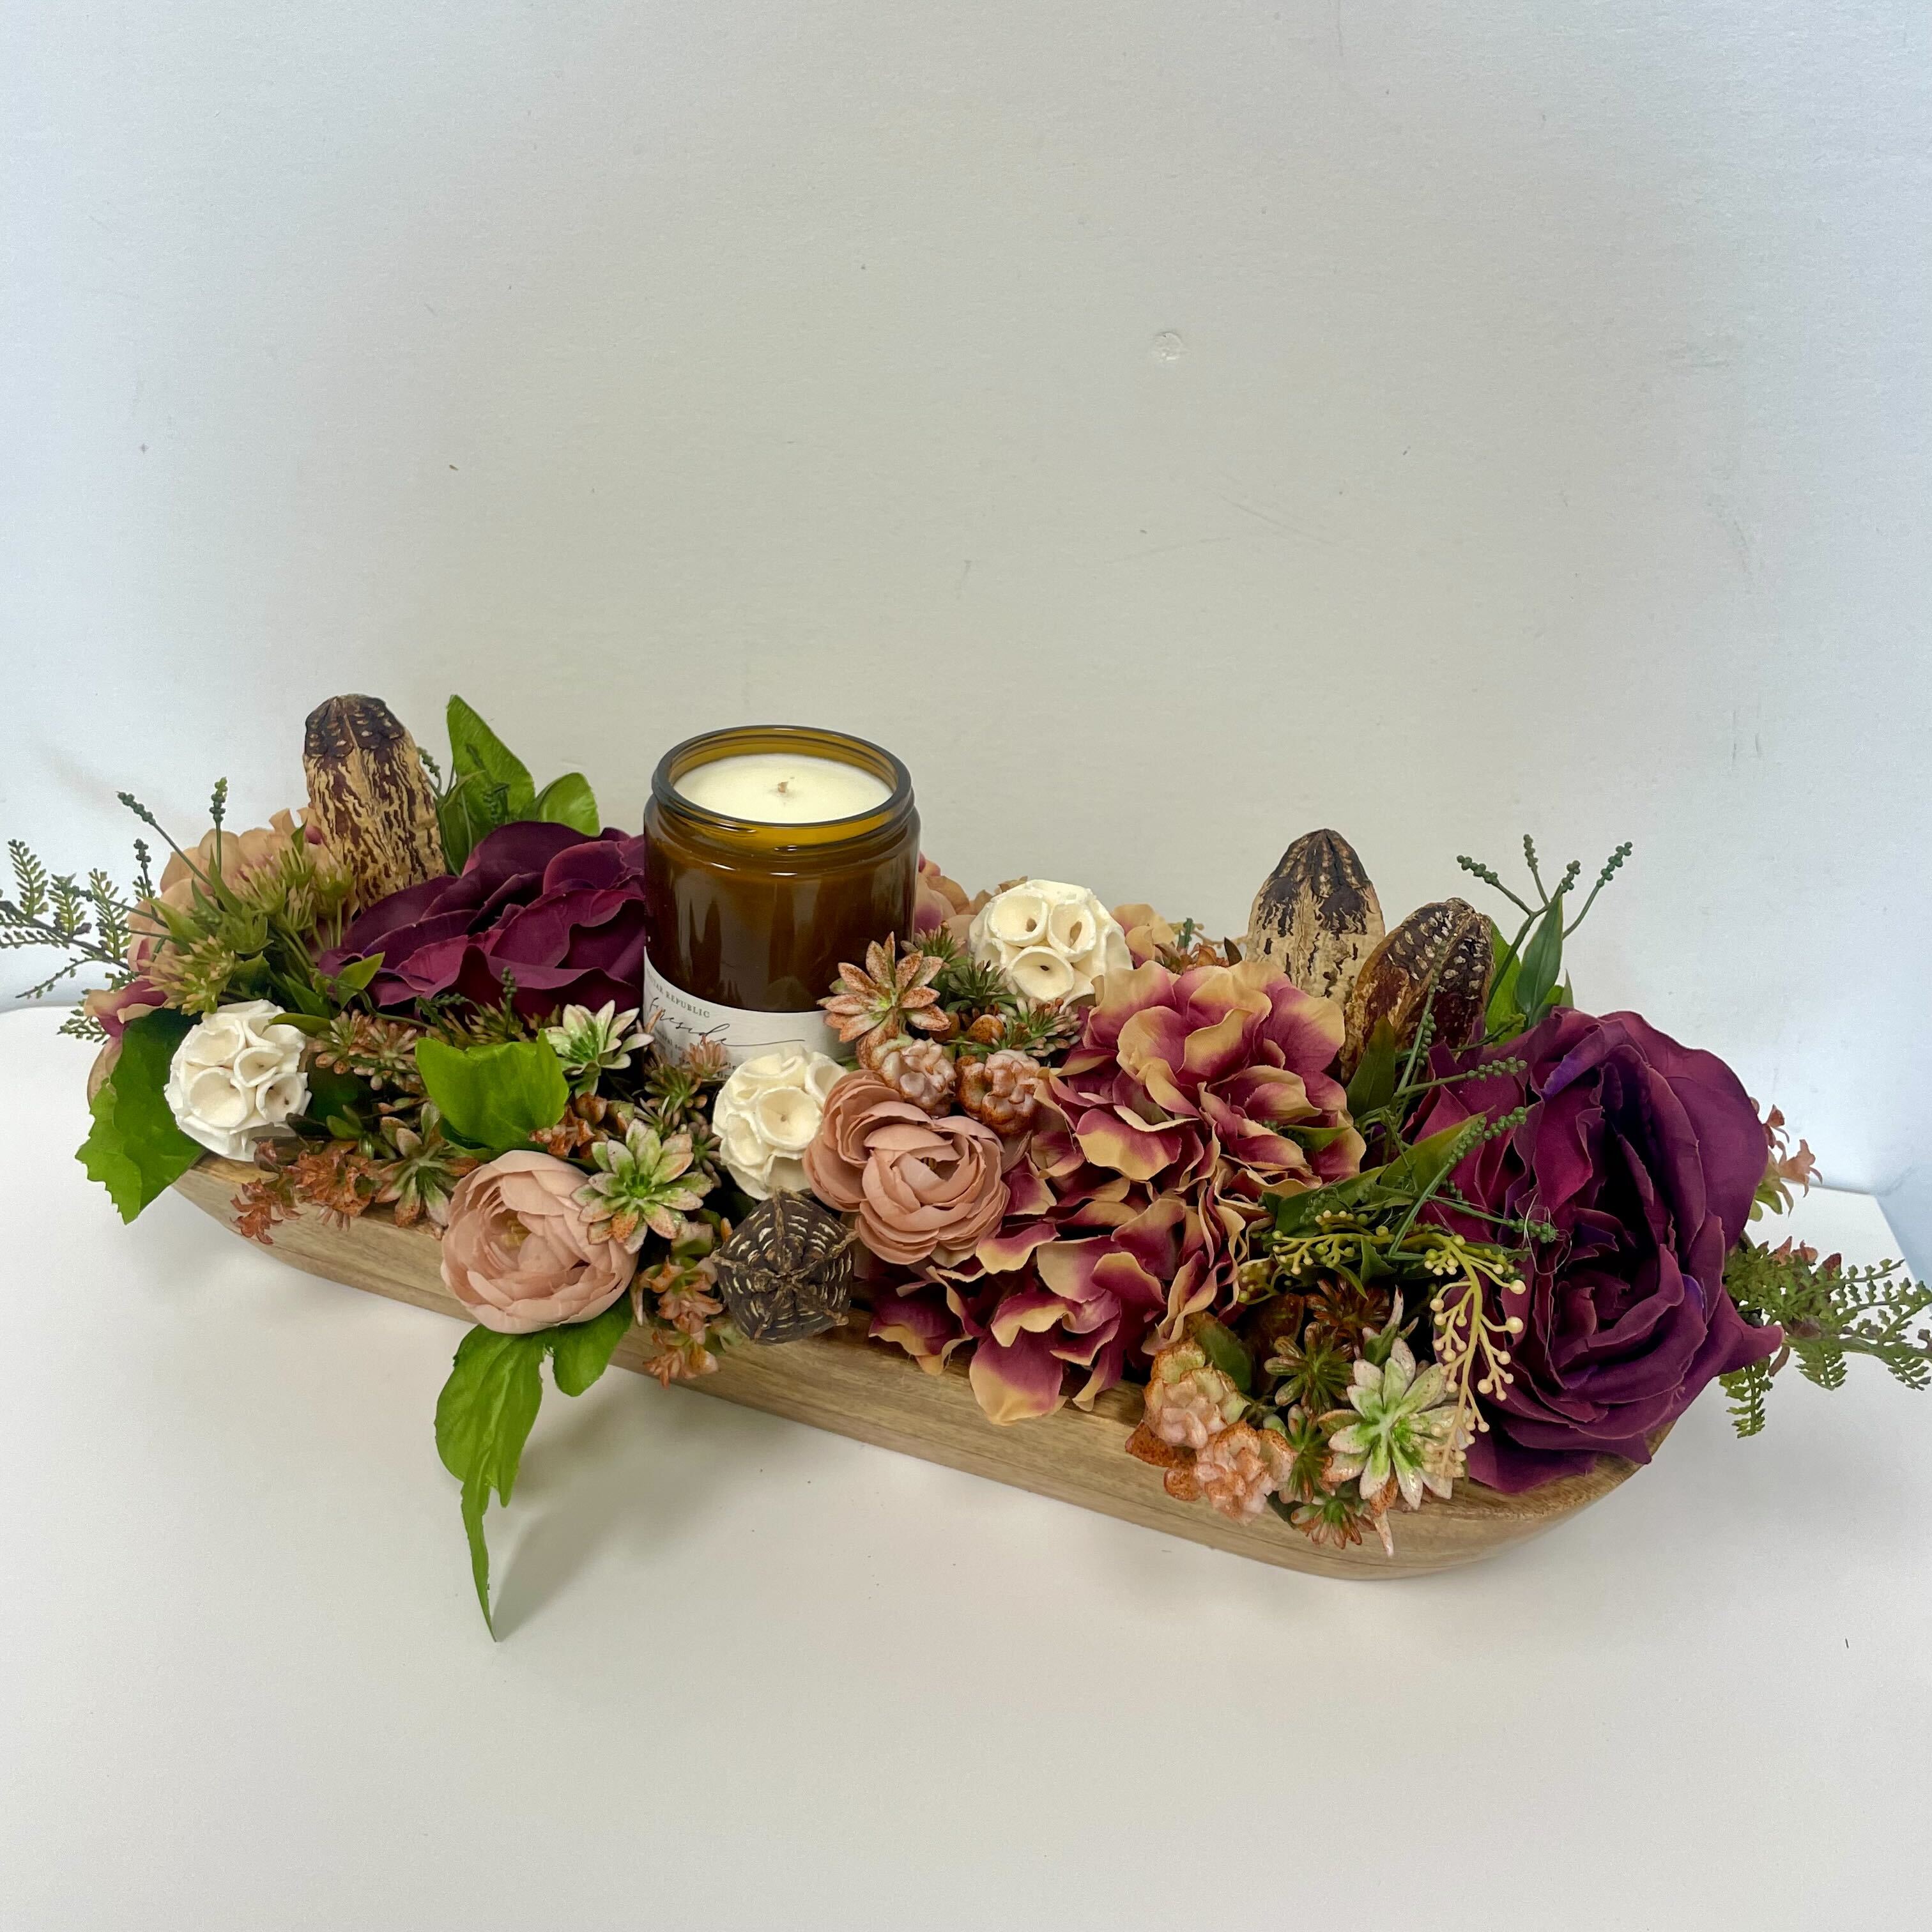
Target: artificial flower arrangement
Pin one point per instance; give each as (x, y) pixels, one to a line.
(1363, 1213)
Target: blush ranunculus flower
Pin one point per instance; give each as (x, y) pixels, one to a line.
(562, 915)
(919, 1187)
(518, 1253)
(1644, 1155)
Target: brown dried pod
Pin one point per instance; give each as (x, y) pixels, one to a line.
(1316, 917)
(368, 793)
(1450, 941)
(786, 1273)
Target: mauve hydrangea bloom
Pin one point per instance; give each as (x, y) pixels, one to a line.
(1130, 1207)
(562, 915)
(1644, 1155)
(1174, 1072)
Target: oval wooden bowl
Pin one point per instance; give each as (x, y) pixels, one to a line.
(878, 1394)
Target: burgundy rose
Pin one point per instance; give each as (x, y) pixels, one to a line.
(562, 915)
(1645, 1155)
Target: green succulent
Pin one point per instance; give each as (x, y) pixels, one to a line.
(644, 1185)
(591, 1044)
(1398, 1432)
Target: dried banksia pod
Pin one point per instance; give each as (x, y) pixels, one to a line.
(1440, 957)
(786, 1273)
(368, 793)
(1316, 917)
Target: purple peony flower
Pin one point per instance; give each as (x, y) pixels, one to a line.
(562, 915)
(1645, 1155)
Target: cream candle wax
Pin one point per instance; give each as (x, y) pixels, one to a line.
(776, 852)
(775, 788)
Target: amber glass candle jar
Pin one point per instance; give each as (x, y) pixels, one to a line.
(753, 899)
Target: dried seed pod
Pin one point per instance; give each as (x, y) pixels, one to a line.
(368, 793)
(786, 1273)
(1316, 917)
(1449, 939)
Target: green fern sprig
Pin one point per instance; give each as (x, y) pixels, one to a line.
(1828, 1312)
(55, 911)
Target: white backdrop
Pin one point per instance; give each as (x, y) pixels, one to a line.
(1170, 427)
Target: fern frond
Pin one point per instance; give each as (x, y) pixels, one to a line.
(1820, 1363)
(110, 916)
(30, 878)
(69, 906)
(1829, 1311)
(79, 1025)
(1745, 1391)
(53, 980)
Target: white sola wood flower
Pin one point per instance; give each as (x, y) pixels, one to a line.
(234, 1078)
(767, 1114)
(1051, 940)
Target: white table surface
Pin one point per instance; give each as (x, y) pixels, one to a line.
(755, 1676)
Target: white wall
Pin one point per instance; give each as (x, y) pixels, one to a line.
(1171, 426)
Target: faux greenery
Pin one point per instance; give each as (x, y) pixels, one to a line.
(134, 1149)
(485, 1412)
(1528, 982)
(490, 786)
(494, 1098)
(1827, 1312)
(87, 922)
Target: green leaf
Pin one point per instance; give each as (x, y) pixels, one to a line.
(484, 1414)
(581, 1351)
(483, 1419)
(569, 801)
(1504, 1016)
(1224, 1351)
(474, 747)
(1542, 963)
(463, 815)
(1293, 1211)
(1416, 1170)
(355, 976)
(1373, 1086)
(333, 1095)
(134, 1149)
(495, 1097)
(311, 1024)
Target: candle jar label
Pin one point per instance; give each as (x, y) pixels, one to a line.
(679, 1020)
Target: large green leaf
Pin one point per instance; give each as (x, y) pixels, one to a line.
(495, 1097)
(134, 1149)
(475, 748)
(569, 801)
(462, 817)
(484, 1414)
(483, 1419)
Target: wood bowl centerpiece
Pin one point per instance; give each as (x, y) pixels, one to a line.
(873, 1393)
